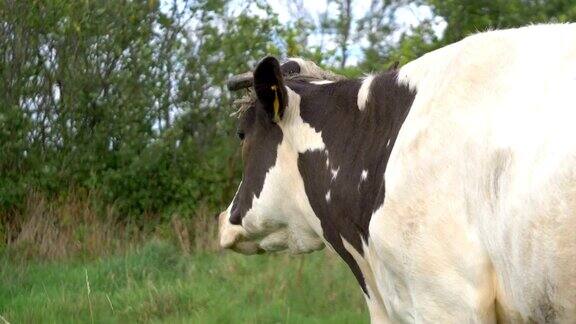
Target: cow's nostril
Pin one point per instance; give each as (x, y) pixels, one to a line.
(235, 218)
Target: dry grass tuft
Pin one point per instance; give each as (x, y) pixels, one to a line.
(74, 227)
(197, 233)
(60, 230)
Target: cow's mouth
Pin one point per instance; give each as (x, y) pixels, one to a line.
(247, 248)
(235, 238)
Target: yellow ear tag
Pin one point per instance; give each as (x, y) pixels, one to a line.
(276, 104)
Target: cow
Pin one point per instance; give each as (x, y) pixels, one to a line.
(448, 185)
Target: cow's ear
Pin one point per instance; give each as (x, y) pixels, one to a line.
(269, 87)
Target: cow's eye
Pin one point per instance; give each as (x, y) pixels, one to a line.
(240, 135)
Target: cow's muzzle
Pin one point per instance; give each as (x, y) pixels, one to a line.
(235, 237)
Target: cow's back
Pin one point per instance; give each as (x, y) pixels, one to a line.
(481, 184)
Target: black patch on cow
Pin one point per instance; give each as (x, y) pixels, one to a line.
(356, 142)
(259, 150)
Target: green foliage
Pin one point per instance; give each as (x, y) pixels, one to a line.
(124, 98)
(463, 17)
(127, 99)
(467, 17)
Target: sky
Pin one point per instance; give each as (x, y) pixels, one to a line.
(406, 18)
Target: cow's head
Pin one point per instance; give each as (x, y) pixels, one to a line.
(270, 211)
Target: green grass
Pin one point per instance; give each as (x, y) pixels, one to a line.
(156, 283)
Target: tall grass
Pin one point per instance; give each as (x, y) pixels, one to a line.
(75, 227)
(55, 230)
(158, 283)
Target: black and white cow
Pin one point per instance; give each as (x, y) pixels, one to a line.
(448, 186)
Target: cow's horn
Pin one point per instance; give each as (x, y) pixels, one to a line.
(240, 81)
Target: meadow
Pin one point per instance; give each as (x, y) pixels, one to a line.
(117, 148)
(65, 263)
(159, 283)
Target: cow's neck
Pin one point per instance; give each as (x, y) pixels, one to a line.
(345, 181)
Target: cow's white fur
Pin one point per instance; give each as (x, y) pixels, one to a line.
(364, 92)
(480, 208)
(321, 82)
(480, 203)
(334, 173)
(364, 175)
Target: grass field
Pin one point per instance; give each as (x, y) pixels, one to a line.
(157, 283)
